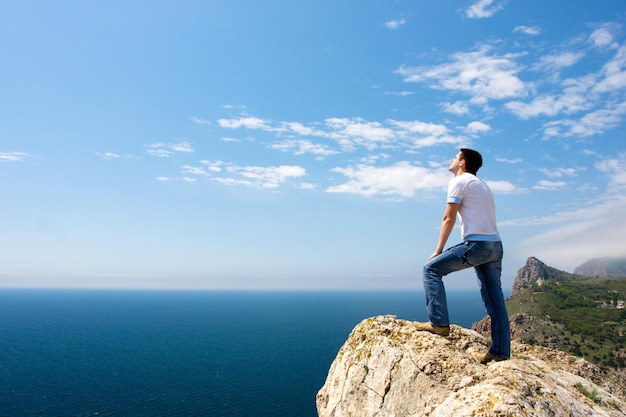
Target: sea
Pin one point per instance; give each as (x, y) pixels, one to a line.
(184, 353)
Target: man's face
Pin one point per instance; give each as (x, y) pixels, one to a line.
(455, 163)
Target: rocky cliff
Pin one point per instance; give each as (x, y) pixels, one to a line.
(388, 368)
(533, 271)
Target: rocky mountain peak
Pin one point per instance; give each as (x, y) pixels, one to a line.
(533, 271)
(387, 368)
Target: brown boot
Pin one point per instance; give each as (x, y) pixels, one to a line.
(428, 327)
(485, 358)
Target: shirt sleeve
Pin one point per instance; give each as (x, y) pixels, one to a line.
(455, 191)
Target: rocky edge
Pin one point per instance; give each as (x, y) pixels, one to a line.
(387, 368)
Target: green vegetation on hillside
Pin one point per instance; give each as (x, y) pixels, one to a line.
(617, 268)
(580, 315)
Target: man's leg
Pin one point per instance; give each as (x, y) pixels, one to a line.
(491, 292)
(451, 260)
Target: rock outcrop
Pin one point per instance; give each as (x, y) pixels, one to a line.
(533, 271)
(388, 368)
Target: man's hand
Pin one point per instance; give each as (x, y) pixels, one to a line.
(434, 255)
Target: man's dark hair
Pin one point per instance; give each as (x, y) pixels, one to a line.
(473, 160)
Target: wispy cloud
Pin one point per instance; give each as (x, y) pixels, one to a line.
(559, 172)
(165, 150)
(401, 179)
(484, 8)
(394, 23)
(244, 122)
(108, 155)
(13, 156)
(459, 108)
(559, 61)
(502, 187)
(509, 161)
(528, 30)
(589, 232)
(582, 106)
(251, 176)
(549, 185)
(199, 121)
(593, 123)
(184, 179)
(603, 37)
(349, 134)
(476, 127)
(613, 168)
(481, 74)
(302, 146)
(549, 105)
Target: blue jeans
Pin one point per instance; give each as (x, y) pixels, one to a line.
(486, 259)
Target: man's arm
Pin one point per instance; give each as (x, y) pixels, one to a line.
(447, 224)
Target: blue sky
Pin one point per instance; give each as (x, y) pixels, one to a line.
(301, 145)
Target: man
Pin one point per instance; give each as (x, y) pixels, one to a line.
(471, 199)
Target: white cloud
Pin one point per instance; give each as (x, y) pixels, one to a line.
(501, 187)
(559, 61)
(528, 30)
(302, 146)
(593, 123)
(548, 105)
(400, 93)
(481, 75)
(549, 185)
(401, 179)
(590, 232)
(603, 37)
(262, 177)
(358, 131)
(484, 8)
(509, 161)
(416, 126)
(614, 73)
(245, 122)
(252, 176)
(184, 179)
(559, 172)
(199, 121)
(108, 155)
(165, 150)
(459, 108)
(394, 24)
(13, 156)
(614, 169)
(351, 134)
(181, 147)
(477, 127)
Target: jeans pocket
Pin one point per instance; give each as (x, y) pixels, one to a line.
(476, 254)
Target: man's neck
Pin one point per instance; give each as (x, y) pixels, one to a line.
(460, 171)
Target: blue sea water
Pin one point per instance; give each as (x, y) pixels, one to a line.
(153, 353)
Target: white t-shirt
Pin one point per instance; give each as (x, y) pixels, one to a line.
(477, 210)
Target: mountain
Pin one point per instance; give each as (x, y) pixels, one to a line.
(387, 368)
(535, 272)
(603, 267)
